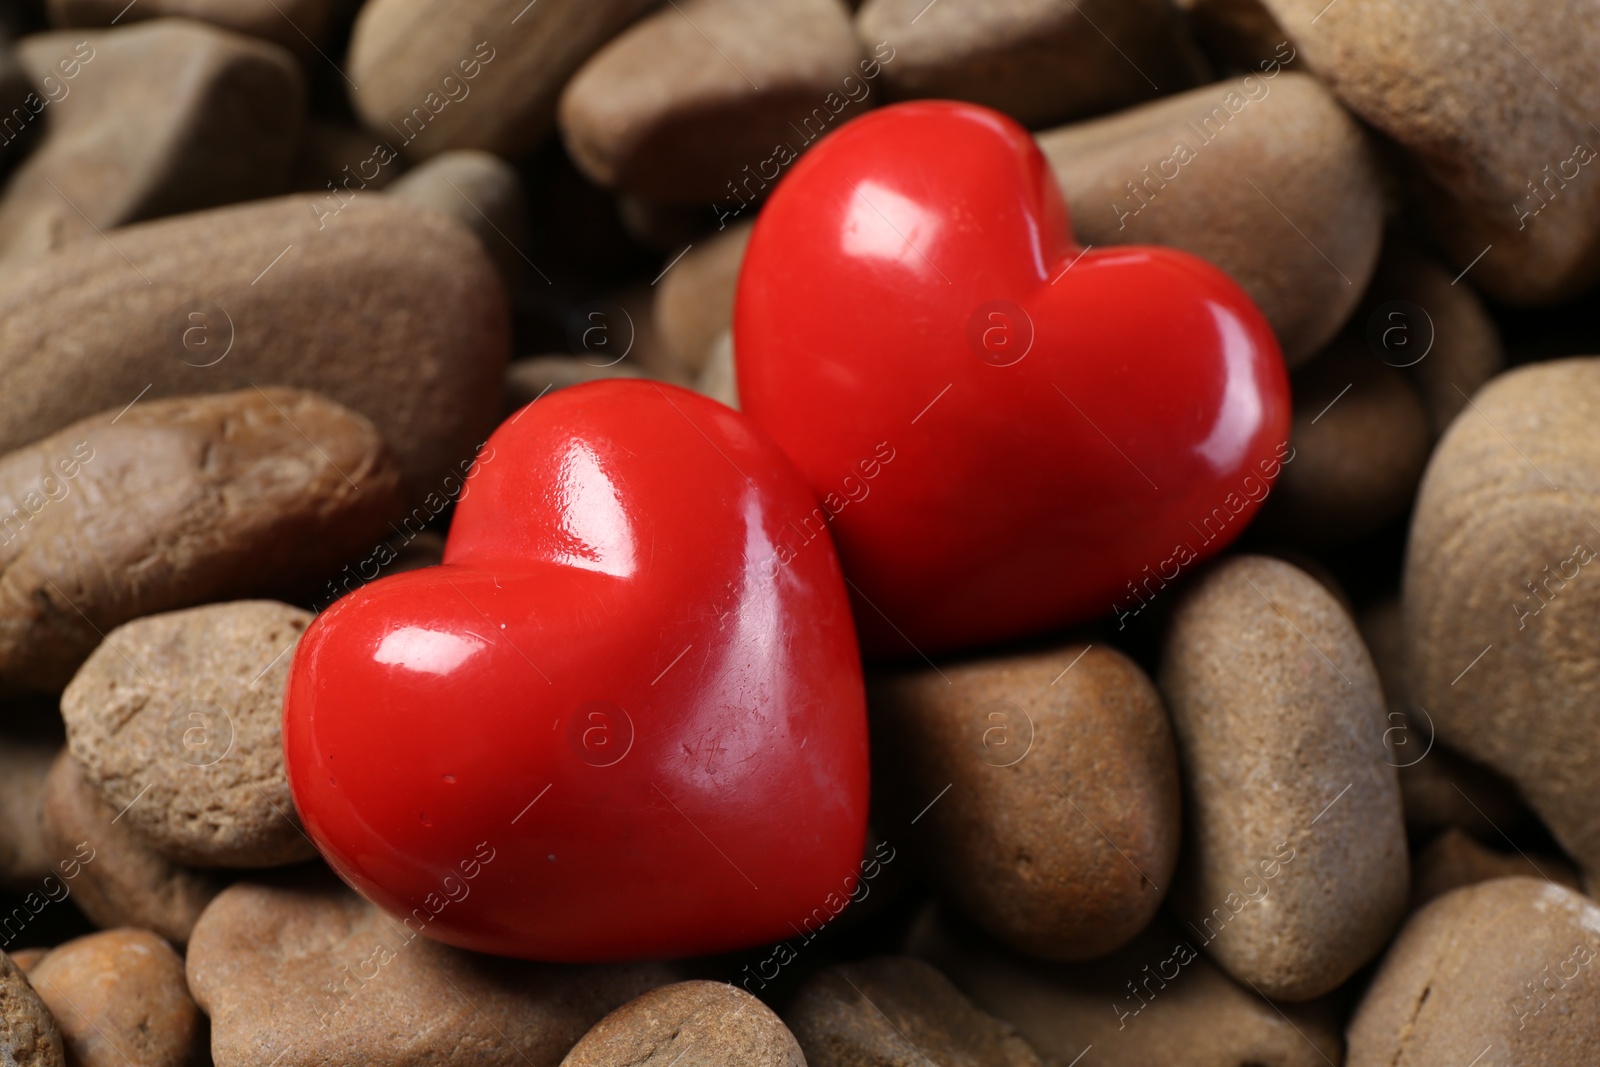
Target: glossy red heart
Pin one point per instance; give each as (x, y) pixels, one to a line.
(611, 725)
(1068, 429)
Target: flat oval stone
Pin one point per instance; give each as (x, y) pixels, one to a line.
(1060, 829)
(177, 722)
(718, 1024)
(1296, 870)
(1499, 606)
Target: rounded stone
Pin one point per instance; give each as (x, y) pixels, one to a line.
(1295, 870)
(717, 1024)
(1060, 829)
(119, 997)
(176, 721)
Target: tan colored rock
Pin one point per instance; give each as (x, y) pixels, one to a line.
(382, 308)
(1158, 1000)
(893, 1010)
(1500, 609)
(299, 25)
(1296, 869)
(1453, 860)
(177, 502)
(1450, 350)
(1506, 966)
(309, 973)
(177, 722)
(24, 858)
(28, 1035)
(718, 1024)
(692, 101)
(1060, 831)
(476, 73)
(480, 191)
(124, 882)
(719, 379)
(1040, 62)
(1265, 176)
(1488, 105)
(153, 119)
(1361, 440)
(529, 379)
(119, 998)
(694, 298)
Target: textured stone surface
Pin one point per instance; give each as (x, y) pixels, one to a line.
(1158, 1000)
(473, 73)
(1265, 176)
(1453, 859)
(1036, 60)
(1060, 830)
(715, 1024)
(689, 102)
(305, 972)
(1502, 565)
(28, 1035)
(162, 117)
(177, 502)
(1295, 854)
(385, 309)
(896, 1010)
(1506, 966)
(1489, 105)
(177, 722)
(119, 998)
(126, 883)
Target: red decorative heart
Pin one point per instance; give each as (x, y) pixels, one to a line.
(1006, 432)
(610, 725)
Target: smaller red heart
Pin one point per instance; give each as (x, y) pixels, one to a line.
(611, 725)
(1069, 428)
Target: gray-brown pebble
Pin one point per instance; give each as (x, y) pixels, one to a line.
(480, 191)
(306, 973)
(28, 1035)
(713, 1023)
(113, 876)
(296, 24)
(1296, 869)
(119, 999)
(176, 502)
(1502, 971)
(177, 722)
(1060, 829)
(897, 1010)
(1264, 176)
(148, 120)
(1453, 859)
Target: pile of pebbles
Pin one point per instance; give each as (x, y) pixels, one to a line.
(1331, 799)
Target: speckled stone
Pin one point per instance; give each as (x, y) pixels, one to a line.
(713, 1023)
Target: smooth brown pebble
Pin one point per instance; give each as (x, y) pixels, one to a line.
(305, 972)
(153, 119)
(1453, 859)
(1036, 60)
(385, 309)
(1295, 868)
(1502, 971)
(298, 25)
(1060, 830)
(120, 1000)
(28, 1034)
(690, 101)
(1158, 1000)
(694, 299)
(1264, 176)
(1502, 591)
(177, 721)
(24, 857)
(114, 877)
(473, 73)
(1361, 439)
(891, 1011)
(716, 1024)
(176, 502)
(480, 191)
(1487, 106)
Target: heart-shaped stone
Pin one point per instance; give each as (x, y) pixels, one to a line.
(1006, 432)
(613, 723)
